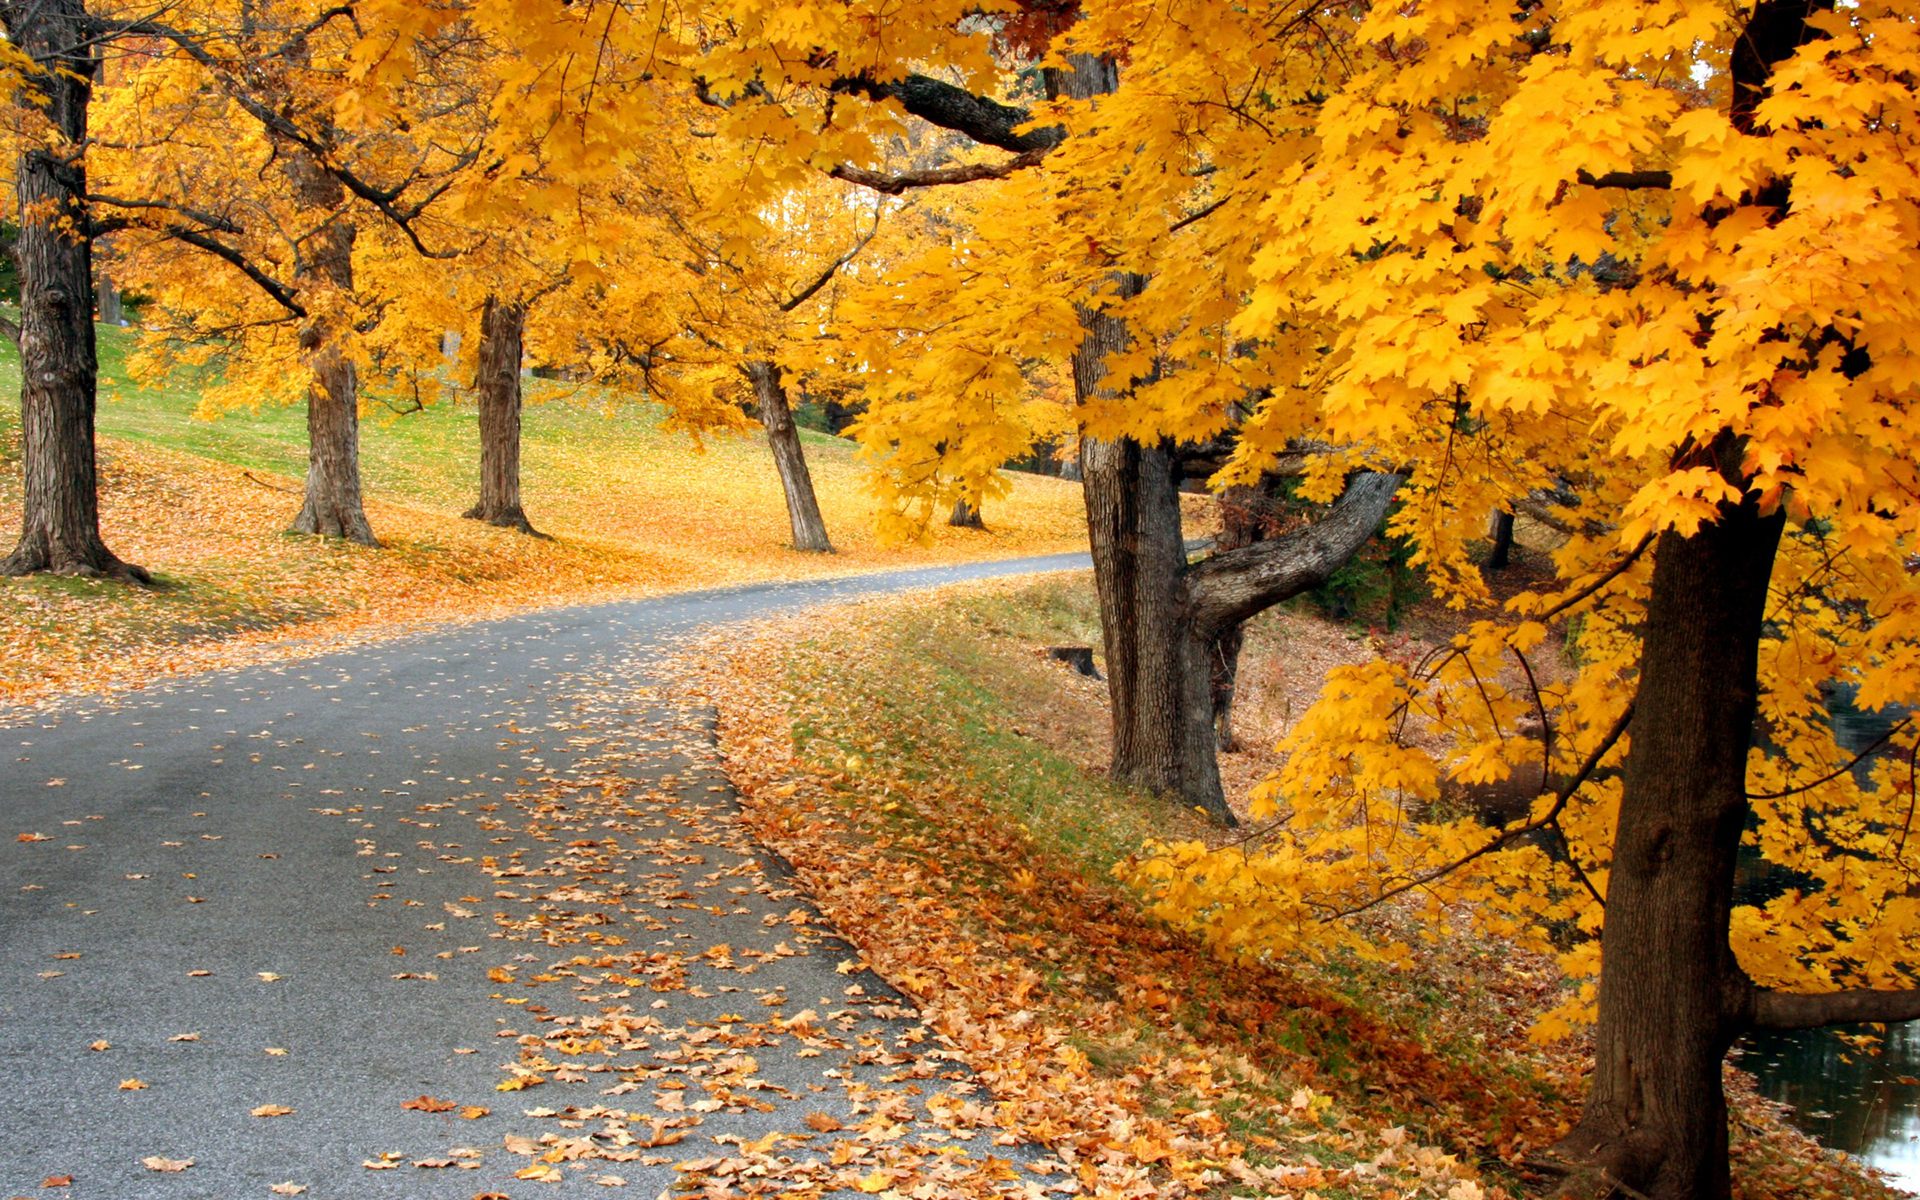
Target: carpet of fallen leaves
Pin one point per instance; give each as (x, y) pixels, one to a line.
(631, 511)
(916, 768)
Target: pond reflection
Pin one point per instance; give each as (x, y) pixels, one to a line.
(1868, 1106)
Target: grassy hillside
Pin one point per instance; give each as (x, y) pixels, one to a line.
(632, 509)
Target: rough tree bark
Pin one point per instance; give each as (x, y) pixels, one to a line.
(333, 506)
(60, 519)
(498, 386)
(966, 516)
(803, 510)
(1672, 996)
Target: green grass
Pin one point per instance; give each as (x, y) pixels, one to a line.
(422, 456)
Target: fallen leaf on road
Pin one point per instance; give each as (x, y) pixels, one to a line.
(198, 974)
(51, 974)
(432, 1163)
(287, 1189)
(386, 1162)
(276, 1051)
(170, 1165)
(271, 1110)
(131, 1085)
(544, 1174)
(429, 1104)
(822, 1122)
(473, 1112)
(102, 1044)
(184, 1037)
(609, 1181)
(57, 1181)
(33, 837)
(270, 977)
(66, 956)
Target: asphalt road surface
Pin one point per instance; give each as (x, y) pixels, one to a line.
(370, 887)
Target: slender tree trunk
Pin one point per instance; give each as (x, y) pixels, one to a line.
(1672, 998)
(60, 520)
(803, 510)
(1502, 533)
(109, 300)
(498, 385)
(1223, 661)
(965, 516)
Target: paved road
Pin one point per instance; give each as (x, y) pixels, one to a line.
(422, 869)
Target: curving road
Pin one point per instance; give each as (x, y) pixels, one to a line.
(369, 888)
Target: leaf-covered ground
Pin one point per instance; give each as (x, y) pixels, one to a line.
(632, 510)
(926, 773)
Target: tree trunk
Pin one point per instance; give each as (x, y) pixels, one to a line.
(803, 510)
(1223, 662)
(1133, 527)
(333, 506)
(1502, 534)
(498, 385)
(965, 516)
(108, 300)
(60, 518)
(1672, 998)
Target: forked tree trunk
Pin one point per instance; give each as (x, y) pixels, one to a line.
(965, 516)
(1159, 620)
(1672, 998)
(803, 510)
(498, 385)
(60, 519)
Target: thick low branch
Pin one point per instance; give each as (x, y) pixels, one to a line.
(1793, 1010)
(894, 185)
(1230, 587)
(985, 121)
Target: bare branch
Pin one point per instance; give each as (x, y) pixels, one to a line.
(280, 293)
(209, 220)
(807, 293)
